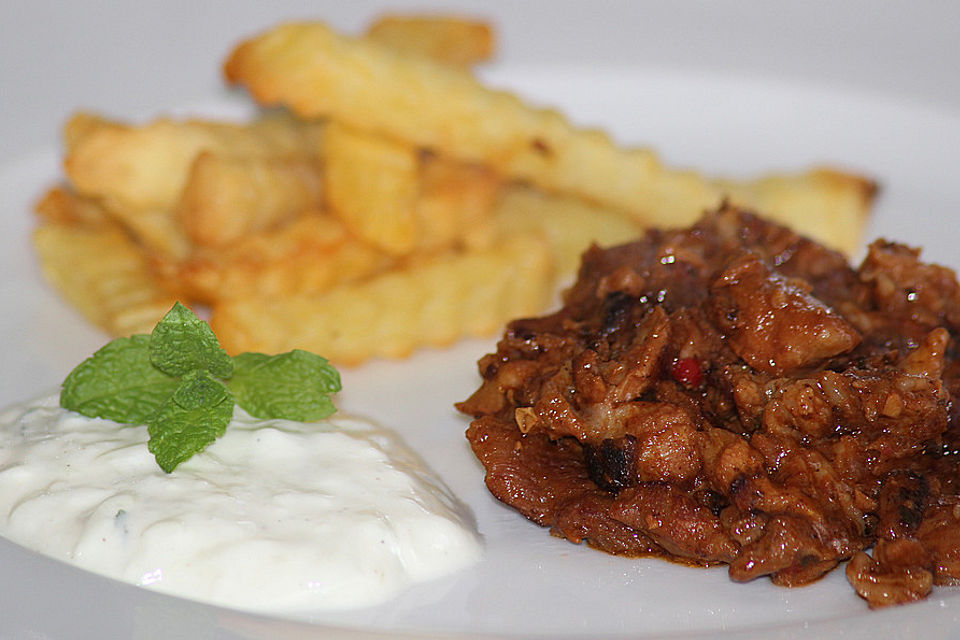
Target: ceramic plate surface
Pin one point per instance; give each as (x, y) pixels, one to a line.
(810, 101)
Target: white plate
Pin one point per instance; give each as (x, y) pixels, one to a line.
(735, 120)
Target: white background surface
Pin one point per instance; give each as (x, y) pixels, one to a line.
(727, 87)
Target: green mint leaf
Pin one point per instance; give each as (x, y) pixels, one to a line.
(181, 342)
(118, 383)
(199, 389)
(195, 415)
(294, 386)
(172, 381)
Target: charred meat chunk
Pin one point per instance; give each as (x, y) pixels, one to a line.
(735, 393)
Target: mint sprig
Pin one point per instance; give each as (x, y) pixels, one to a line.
(181, 384)
(295, 385)
(118, 383)
(181, 342)
(195, 415)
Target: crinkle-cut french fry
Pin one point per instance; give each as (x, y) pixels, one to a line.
(826, 205)
(401, 200)
(570, 224)
(456, 203)
(82, 123)
(309, 255)
(319, 73)
(452, 40)
(138, 168)
(138, 173)
(100, 271)
(434, 302)
(61, 205)
(371, 183)
(226, 197)
(155, 230)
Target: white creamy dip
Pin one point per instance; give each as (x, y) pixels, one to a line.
(274, 516)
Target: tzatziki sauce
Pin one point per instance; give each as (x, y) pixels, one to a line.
(275, 516)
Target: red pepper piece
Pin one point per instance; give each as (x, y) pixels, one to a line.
(687, 371)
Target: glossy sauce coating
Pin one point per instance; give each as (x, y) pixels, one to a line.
(734, 393)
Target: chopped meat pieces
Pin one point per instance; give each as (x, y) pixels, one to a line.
(735, 393)
(774, 324)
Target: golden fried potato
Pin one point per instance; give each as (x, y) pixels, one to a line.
(152, 229)
(432, 303)
(407, 206)
(829, 206)
(100, 271)
(155, 230)
(401, 200)
(82, 123)
(371, 183)
(63, 206)
(144, 168)
(138, 173)
(318, 73)
(570, 224)
(455, 205)
(309, 255)
(446, 39)
(227, 197)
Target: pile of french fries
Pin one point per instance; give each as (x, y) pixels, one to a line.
(383, 200)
